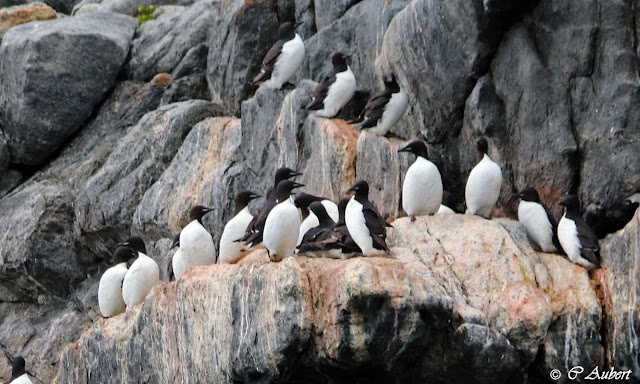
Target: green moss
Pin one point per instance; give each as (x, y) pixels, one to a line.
(145, 13)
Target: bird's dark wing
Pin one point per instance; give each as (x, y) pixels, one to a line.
(269, 62)
(317, 101)
(588, 241)
(376, 225)
(554, 228)
(318, 239)
(253, 235)
(374, 109)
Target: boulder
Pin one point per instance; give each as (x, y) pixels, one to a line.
(161, 44)
(54, 73)
(104, 209)
(242, 35)
(20, 14)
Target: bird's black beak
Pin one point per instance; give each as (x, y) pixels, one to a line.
(175, 243)
(296, 173)
(518, 195)
(297, 185)
(123, 244)
(206, 210)
(404, 149)
(254, 196)
(299, 23)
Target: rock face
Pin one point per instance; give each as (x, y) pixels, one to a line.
(37, 110)
(427, 312)
(20, 14)
(161, 44)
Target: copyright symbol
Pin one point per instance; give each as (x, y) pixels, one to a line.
(555, 374)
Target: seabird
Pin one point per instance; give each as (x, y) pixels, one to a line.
(175, 259)
(537, 220)
(366, 226)
(309, 219)
(483, 186)
(141, 276)
(576, 237)
(253, 236)
(422, 186)
(283, 223)
(320, 232)
(335, 90)
(196, 243)
(18, 372)
(110, 298)
(283, 59)
(231, 250)
(385, 108)
(336, 241)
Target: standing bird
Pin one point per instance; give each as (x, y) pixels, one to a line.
(336, 241)
(283, 223)
(483, 185)
(309, 219)
(143, 274)
(538, 221)
(231, 251)
(422, 187)
(617, 215)
(320, 232)
(196, 243)
(283, 59)
(335, 90)
(385, 108)
(110, 298)
(18, 372)
(366, 226)
(253, 235)
(576, 237)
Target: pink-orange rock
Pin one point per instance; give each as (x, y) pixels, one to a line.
(20, 14)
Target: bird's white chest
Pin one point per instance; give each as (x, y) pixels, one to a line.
(110, 290)
(332, 209)
(536, 223)
(197, 245)
(281, 229)
(140, 278)
(357, 226)
(339, 93)
(422, 188)
(393, 112)
(568, 237)
(483, 187)
(230, 250)
(288, 61)
(311, 221)
(22, 379)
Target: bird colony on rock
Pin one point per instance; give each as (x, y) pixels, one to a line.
(317, 226)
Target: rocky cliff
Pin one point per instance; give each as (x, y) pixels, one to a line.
(108, 127)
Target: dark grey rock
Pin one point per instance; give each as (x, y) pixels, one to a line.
(305, 13)
(9, 179)
(39, 253)
(328, 11)
(239, 41)
(62, 6)
(54, 73)
(105, 205)
(161, 44)
(89, 150)
(189, 78)
(4, 153)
